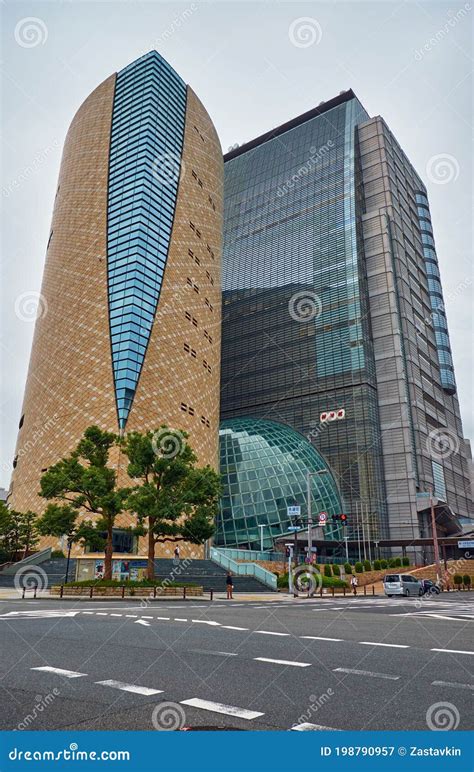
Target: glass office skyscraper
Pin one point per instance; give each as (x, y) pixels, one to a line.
(304, 318)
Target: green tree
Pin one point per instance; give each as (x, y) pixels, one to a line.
(89, 486)
(175, 500)
(17, 532)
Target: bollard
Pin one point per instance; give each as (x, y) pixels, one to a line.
(61, 591)
(23, 595)
(184, 593)
(344, 591)
(34, 594)
(373, 589)
(154, 591)
(332, 588)
(91, 590)
(365, 590)
(212, 594)
(123, 591)
(321, 591)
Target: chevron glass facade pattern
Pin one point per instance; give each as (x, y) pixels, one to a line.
(145, 164)
(264, 468)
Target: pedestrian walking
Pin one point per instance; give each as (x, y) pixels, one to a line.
(176, 553)
(354, 583)
(229, 585)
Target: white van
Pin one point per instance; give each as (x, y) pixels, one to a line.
(401, 584)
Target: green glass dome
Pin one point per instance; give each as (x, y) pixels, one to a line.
(264, 467)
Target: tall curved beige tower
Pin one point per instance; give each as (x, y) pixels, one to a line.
(129, 333)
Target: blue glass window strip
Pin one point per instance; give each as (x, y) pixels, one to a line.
(147, 124)
(438, 317)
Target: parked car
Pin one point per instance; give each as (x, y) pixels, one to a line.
(429, 587)
(401, 584)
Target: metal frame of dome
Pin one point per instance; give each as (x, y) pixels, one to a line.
(264, 466)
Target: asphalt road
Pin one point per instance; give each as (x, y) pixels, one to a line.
(363, 663)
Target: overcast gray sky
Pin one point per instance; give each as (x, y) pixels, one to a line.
(254, 65)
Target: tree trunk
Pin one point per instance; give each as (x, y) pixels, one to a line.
(108, 553)
(151, 549)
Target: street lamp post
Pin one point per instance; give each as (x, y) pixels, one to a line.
(435, 540)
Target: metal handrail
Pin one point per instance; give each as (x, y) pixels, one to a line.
(244, 569)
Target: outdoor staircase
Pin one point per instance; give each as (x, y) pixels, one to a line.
(55, 570)
(207, 574)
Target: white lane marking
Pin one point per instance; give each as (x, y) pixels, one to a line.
(453, 651)
(205, 622)
(167, 619)
(146, 617)
(141, 622)
(319, 638)
(220, 653)
(218, 707)
(131, 616)
(101, 613)
(453, 684)
(37, 614)
(440, 616)
(60, 671)
(116, 615)
(87, 612)
(268, 632)
(283, 662)
(130, 687)
(178, 619)
(231, 627)
(392, 645)
(366, 673)
(305, 727)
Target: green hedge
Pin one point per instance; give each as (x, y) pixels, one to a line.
(359, 568)
(348, 568)
(466, 580)
(142, 583)
(327, 581)
(377, 565)
(327, 570)
(336, 570)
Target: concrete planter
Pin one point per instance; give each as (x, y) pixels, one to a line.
(119, 592)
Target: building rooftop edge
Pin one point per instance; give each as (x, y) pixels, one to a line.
(344, 96)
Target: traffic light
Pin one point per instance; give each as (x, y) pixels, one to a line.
(341, 518)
